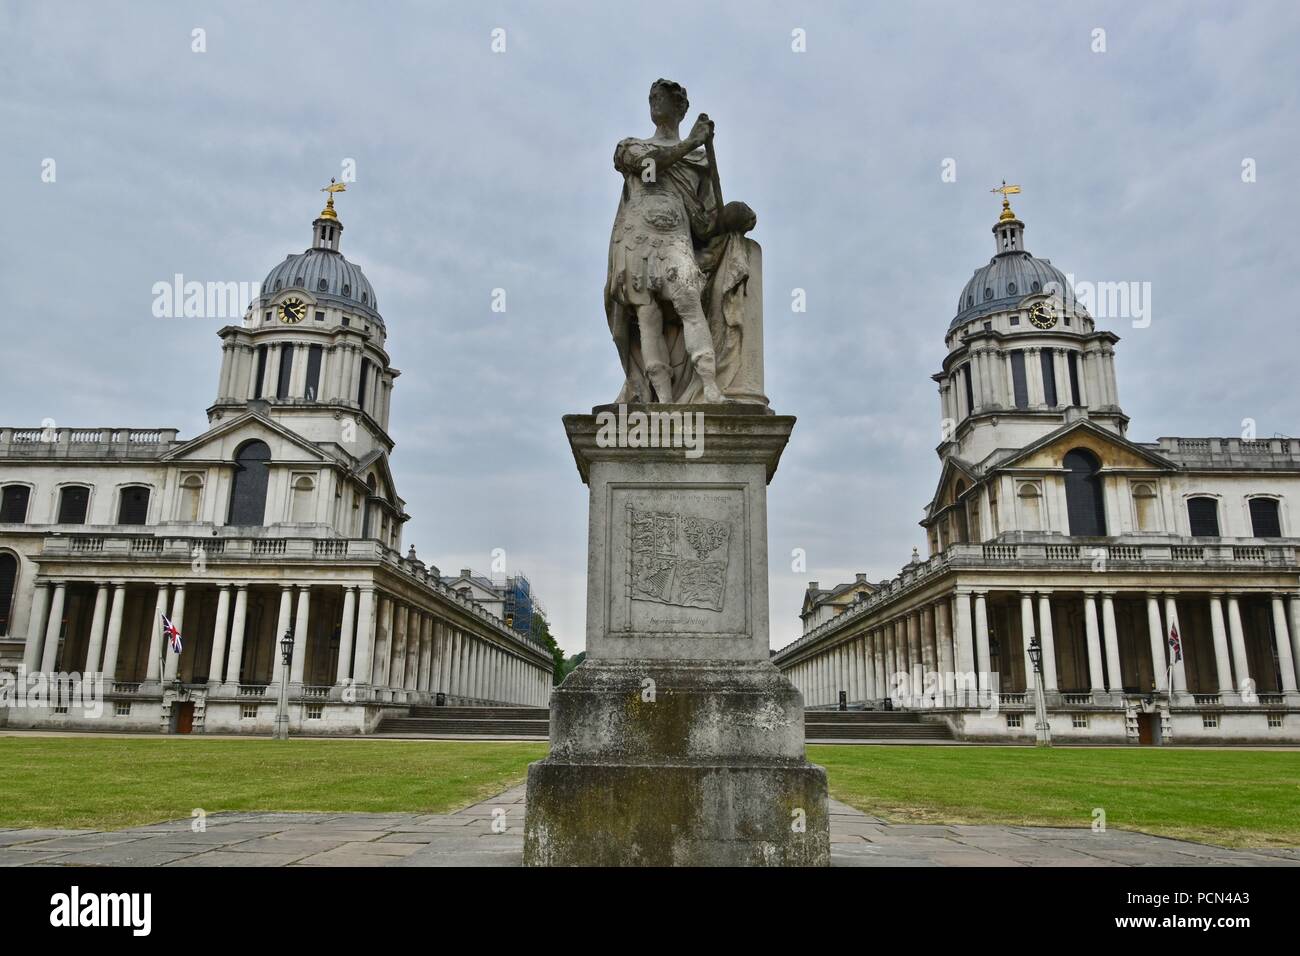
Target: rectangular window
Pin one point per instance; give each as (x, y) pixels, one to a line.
(268, 317)
(134, 506)
(1049, 377)
(73, 502)
(320, 316)
(361, 385)
(1018, 381)
(286, 371)
(1264, 518)
(1203, 517)
(1074, 379)
(1013, 721)
(315, 711)
(13, 504)
(261, 371)
(122, 708)
(248, 712)
(970, 389)
(1209, 721)
(1275, 720)
(1079, 721)
(313, 372)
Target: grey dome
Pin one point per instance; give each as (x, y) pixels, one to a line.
(1004, 282)
(323, 272)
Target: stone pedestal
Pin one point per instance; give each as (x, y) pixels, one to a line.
(677, 742)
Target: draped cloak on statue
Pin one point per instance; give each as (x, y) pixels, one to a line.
(662, 234)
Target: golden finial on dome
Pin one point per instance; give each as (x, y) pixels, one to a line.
(332, 188)
(1006, 191)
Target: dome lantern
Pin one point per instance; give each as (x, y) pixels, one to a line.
(1008, 231)
(328, 228)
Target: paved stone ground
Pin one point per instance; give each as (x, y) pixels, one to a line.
(467, 838)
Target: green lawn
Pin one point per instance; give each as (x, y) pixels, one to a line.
(1232, 798)
(109, 783)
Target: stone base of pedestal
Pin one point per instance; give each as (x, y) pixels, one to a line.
(676, 763)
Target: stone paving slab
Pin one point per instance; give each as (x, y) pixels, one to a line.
(470, 837)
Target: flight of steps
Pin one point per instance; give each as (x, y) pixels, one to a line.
(533, 722)
(470, 722)
(871, 725)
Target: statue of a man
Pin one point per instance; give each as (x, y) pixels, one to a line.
(668, 241)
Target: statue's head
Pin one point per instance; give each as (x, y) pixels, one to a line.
(668, 101)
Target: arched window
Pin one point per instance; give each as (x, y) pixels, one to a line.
(133, 508)
(961, 529)
(8, 583)
(191, 497)
(1083, 495)
(1144, 507)
(74, 500)
(1031, 511)
(248, 492)
(13, 504)
(1203, 517)
(1265, 520)
(301, 508)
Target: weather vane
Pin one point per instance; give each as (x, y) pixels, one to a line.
(332, 188)
(1006, 191)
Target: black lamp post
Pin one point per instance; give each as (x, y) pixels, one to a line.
(282, 711)
(1042, 732)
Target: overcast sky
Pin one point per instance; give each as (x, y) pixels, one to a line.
(479, 170)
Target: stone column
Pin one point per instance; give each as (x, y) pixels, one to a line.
(458, 665)
(153, 673)
(1282, 639)
(1171, 619)
(1155, 634)
(364, 653)
(36, 628)
(1110, 633)
(397, 646)
(1222, 667)
(53, 629)
(472, 668)
(282, 624)
(114, 640)
(178, 621)
(1046, 636)
(1295, 631)
(1026, 634)
(219, 629)
(235, 660)
(942, 612)
(347, 633)
(983, 658)
(1096, 684)
(963, 626)
(302, 635)
(97, 622)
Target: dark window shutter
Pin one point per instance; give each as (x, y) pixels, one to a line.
(286, 370)
(8, 578)
(248, 492)
(1018, 380)
(1203, 516)
(970, 390)
(73, 502)
(134, 507)
(1074, 379)
(13, 507)
(1049, 377)
(1265, 519)
(361, 384)
(261, 371)
(1083, 494)
(313, 372)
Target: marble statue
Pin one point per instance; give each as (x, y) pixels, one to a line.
(679, 267)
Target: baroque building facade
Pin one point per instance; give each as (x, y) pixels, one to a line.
(283, 516)
(1048, 521)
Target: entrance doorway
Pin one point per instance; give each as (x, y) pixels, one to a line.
(1146, 729)
(185, 717)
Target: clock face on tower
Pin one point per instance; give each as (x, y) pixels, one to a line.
(292, 311)
(1042, 316)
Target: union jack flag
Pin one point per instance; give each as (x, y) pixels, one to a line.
(172, 634)
(1175, 644)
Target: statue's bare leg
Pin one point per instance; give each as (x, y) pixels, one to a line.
(650, 319)
(699, 344)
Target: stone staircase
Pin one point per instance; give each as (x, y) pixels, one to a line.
(891, 725)
(533, 723)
